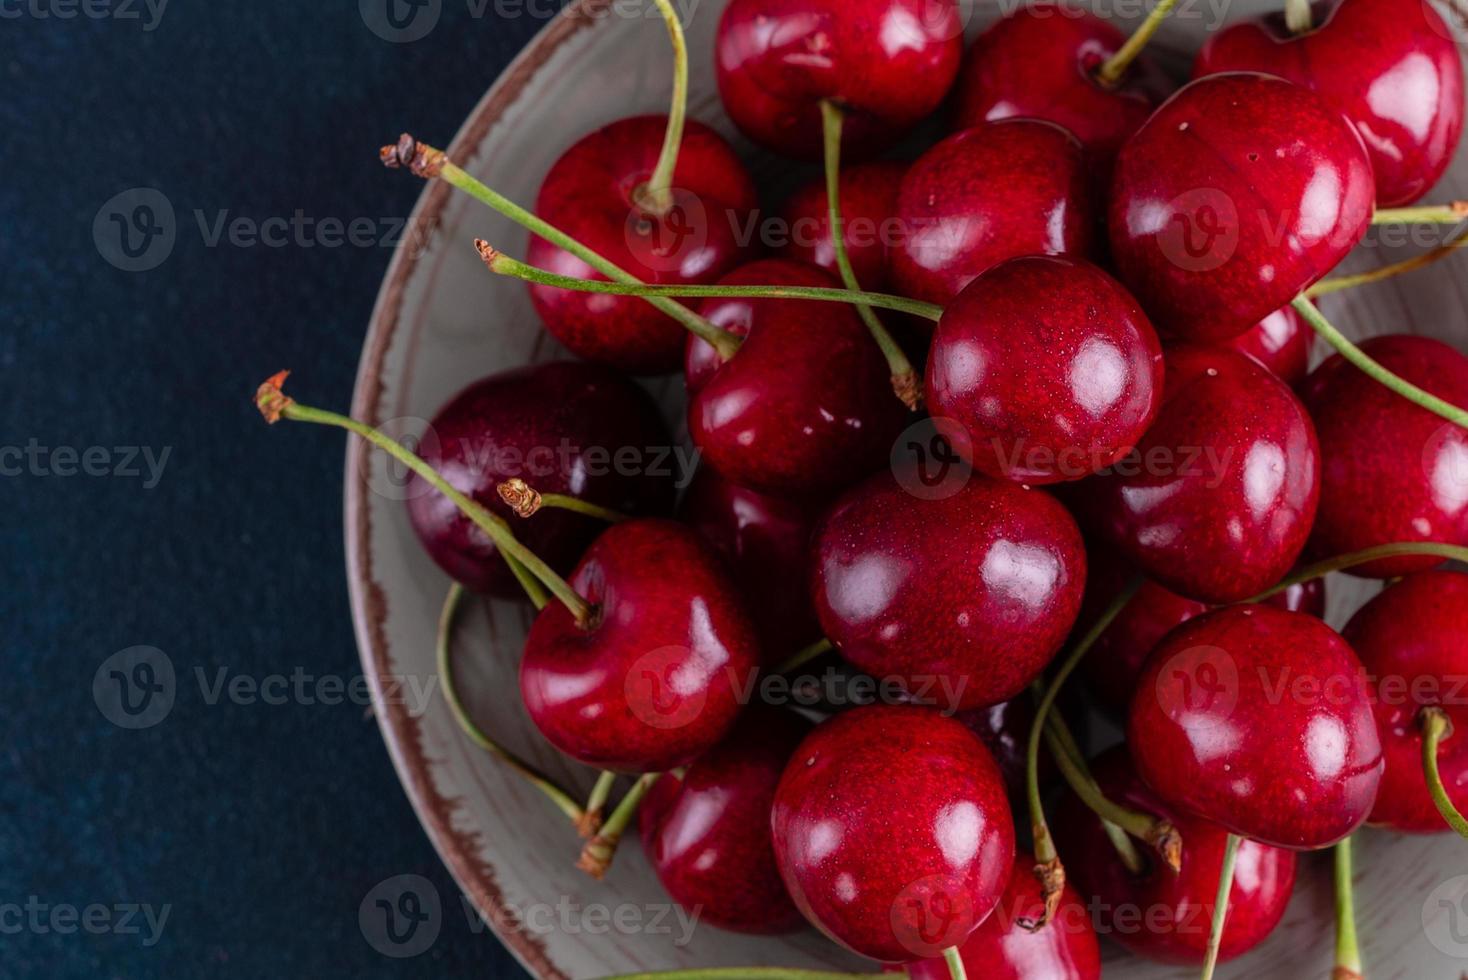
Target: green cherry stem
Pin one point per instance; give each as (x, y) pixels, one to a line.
(596, 804)
(656, 194)
(525, 501)
(1337, 283)
(1340, 563)
(1435, 728)
(275, 405)
(805, 656)
(1433, 214)
(1220, 904)
(430, 163)
(1360, 359)
(596, 856)
(904, 379)
(539, 780)
(752, 973)
(501, 264)
(1111, 70)
(1347, 949)
(954, 959)
(1298, 16)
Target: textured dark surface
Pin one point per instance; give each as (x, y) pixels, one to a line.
(260, 826)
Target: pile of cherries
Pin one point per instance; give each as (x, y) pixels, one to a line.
(1080, 432)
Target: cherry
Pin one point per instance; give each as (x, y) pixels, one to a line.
(1391, 471)
(1281, 342)
(766, 541)
(1239, 192)
(1004, 947)
(962, 596)
(559, 426)
(1259, 720)
(868, 212)
(593, 194)
(1158, 913)
(654, 678)
(1050, 368)
(805, 408)
(892, 831)
(707, 831)
(994, 192)
(1217, 500)
(1391, 67)
(888, 63)
(1413, 641)
(1004, 729)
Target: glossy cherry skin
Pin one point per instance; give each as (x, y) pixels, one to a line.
(557, 426)
(892, 831)
(868, 219)
(994, 192)
(1391, 66)
(1390, 471)
(805, 408)
(766, 542)
(706, 832)
(1158, 914)
(888, 63)
(962, 598)
(1281, 342)
(1040, 60)
(1050, 367)
(1239, 192)
(1002, 948)
(1217, 499)
(1259, 720)
(1413, 641)
(591, 193)
(657, 678)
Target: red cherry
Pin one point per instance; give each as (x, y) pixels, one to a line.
(1259, 720)
(707, 831)
(868, 218)
(888, 63)
(1004, 728)
(1002, 948)
(962, 596)
(1390, 471)
(1160, 914)
(1281, 342)
(805, 408)
(591, 193)
(1050, 368)
(1217, 500)
(557, 426)
(1390, 65)
(995, 192)
(892, 831)
(1413, 642)
(655, 680)
(1238, 193)
(766, 541)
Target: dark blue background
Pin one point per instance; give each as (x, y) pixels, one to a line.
(262, 827)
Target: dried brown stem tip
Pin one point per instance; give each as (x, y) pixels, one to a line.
(596, 856)
(487, 252)
(420, 158)
(1345, 973)
(271, 400)
(909, 389)
(1459, 207)
(1168, 843)
(590, 823)
(1051, 876)
(525, 502)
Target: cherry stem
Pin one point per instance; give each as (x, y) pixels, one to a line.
(1298, 16)
(430, 162)
(1220, 904)
(657, 192)
(1363, 361)
(503, 265)
(1111, 70)
(1127, 821)
(1347, 950)
(539, 780)
(1065, 741)
(805, 656)
(750, 973)
(526, 502)
(275, 405)
(1401, 549)
(596, 856)
(1432, 214)
(904, 379)
(596, 804)
(1337, 283)
(954, 959)
(1435, 728)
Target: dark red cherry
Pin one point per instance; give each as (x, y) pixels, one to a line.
(868, 218)
(805, 408)
(656, 678)
(1259, 720)
(706, 831)
(1390, 65)
(1217, 499)
(1238, 193)
(1003, 947)
(888, 63)
(557, 426)
(1004, 729)
(1390, 471)
(994, 192)
(1281, 342)
(962, 596)
(1050, 368)
(892, 831)
(766, 541)
(1040, 61)
(592, 194)
(1159, 914)
(1413, 642)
